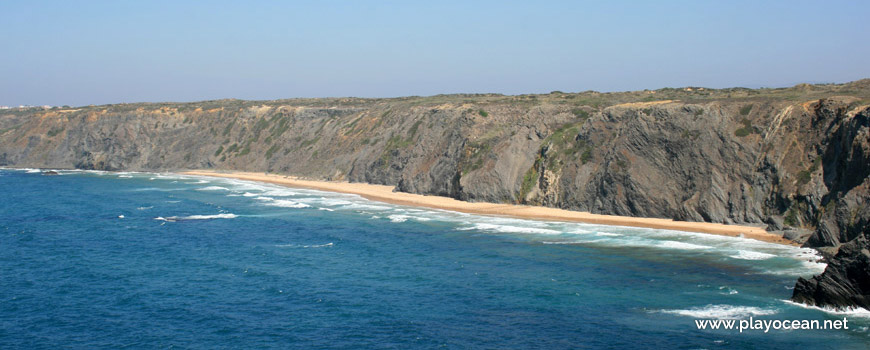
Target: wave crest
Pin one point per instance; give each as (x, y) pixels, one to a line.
(511, 229)
(197, 217)
(213, 188)
(721, 312)
(750, 255)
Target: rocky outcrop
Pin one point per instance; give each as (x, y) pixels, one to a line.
(843, 213)
(794, 160)
(845, 282)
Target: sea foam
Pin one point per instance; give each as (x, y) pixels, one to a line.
(510, 229)
(284, 203)
(803, 261)
(197, 217)
(213, 188)
(305, 246)
(398, 218)
(721, 312)
(750, 255)
(854, 312)
(682, 245)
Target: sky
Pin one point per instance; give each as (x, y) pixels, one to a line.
(99, 52)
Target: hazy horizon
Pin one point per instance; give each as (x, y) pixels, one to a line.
(104, 52)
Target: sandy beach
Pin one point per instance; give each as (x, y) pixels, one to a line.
(385, 194)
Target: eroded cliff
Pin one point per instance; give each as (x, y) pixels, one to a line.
(795, 160)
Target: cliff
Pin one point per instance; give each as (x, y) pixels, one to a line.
(793, 159)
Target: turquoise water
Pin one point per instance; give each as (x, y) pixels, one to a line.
(140, 260)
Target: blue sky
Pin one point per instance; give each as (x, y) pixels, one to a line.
(96, 52)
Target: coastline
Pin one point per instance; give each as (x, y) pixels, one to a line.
(383, 193)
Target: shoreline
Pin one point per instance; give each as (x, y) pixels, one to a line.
(383, 193)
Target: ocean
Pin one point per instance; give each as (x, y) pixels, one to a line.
(94, 259)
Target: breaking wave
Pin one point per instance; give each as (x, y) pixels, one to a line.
(305, 246)
(197, 217)
(213, 188)
(854, 312)
(510, 229)
(777, 259)
(721, 312)
(750, 255)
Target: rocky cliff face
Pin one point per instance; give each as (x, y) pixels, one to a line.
(796, 160)
(842, 213)
(845, 282)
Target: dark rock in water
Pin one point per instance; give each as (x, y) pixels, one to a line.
(50, 172)
(844, 284)
(843, 214)
(795, 159)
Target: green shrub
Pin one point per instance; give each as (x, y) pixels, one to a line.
(580, 113)
(746, 129)
(219, 151)
(622, 164)
(745, 110)
(229, 127)
(529, 181)
(53, 132)
(413, 131)
(816, 164)
(483, 113)
(477, 152)
(804, 177)
(271, 151)
(791, 218)
(310, 142)
(586, 156)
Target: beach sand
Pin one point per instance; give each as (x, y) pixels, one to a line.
(385, 194)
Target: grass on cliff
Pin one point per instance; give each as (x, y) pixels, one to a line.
(272, 151)
(562, 147)
(396, 142)
(565, 146)
(476, 152)
(530, 179)
(746, 129)
(804, 176)
(593, 99)
(54, 131)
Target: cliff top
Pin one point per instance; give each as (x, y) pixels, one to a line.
(859, 89)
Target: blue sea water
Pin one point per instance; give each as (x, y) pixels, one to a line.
(143, 260)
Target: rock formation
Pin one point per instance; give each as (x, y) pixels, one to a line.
(795, 160)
